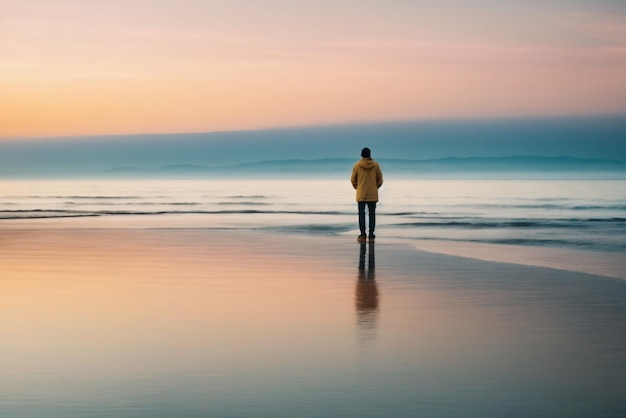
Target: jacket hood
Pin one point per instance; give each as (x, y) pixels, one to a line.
(367, 163)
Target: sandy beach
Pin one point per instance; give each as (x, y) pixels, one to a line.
(200, 322)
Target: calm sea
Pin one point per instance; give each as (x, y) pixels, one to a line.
(586, 215)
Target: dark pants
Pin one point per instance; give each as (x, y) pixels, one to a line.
(371, 208)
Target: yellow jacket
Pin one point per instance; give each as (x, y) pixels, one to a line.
(366, 180)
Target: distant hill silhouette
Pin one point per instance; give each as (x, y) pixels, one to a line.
(338, 166)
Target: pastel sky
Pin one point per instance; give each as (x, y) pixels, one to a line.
(82, 67)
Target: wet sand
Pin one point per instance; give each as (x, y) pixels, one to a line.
(608, 264)
(199, 322)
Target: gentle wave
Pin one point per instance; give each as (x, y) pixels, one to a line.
(412, 214)
(607, 220)
(571, 242)
(315, 228)
(542, 223)
(134, 204)
(244, 203)
(41, 213)
(82, 197)
(260, 196)
(555, 242)
(546, 207)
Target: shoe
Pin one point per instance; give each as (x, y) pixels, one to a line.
(361, 238)
(372, 237)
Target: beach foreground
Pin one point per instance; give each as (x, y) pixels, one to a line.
(200, 322)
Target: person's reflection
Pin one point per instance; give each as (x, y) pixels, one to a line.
(366, 294)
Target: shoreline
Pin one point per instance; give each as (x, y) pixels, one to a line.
(595, 263)
(602, 264)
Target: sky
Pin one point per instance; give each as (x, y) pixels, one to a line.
(96, 67)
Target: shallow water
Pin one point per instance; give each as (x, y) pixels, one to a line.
(199, 322)
(582, 215)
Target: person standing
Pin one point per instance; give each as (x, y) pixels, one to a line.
(366, 179)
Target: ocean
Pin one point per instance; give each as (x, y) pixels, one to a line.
(582, 215)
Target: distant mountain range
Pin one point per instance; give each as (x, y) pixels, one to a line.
(433, 167)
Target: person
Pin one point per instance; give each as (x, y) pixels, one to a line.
(366, 179)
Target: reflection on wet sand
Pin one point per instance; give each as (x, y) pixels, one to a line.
(366, 293)
(193, 322)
